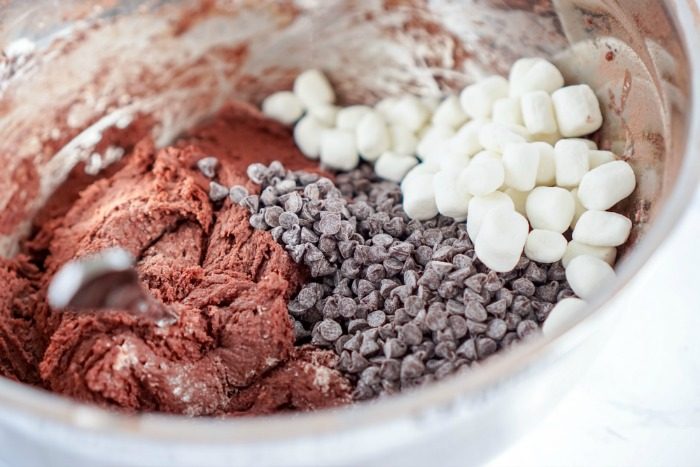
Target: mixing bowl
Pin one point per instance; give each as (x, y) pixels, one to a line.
(74, 69)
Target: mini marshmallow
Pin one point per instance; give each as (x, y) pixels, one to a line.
(577, 110)
(372, 136)
(519, 199)
(419, 196)
(579, 209)
(417, 172)
(564, 312)
(591, 144)
(466, 140)
(434, 144)
(538, 112)
(501, 239)
(307, 136)
(484, 174)
(550, 208)
(495, 136)
(534, 74)
(574, 249)
(312, 88)
(410, 112)
(477, 100)
(606, 185)
(550, 139)
(386, 108)
(520, 163)
(546, 170)
(394, 167)
(338, 149)
(596, 158)
(602, 228)
(519, 69)
(403, 140)
(587, 275)
(283, 106)
(449, 113)
(349, 117)
(451, 198)
(454, 163)
(325, 113)
(480, 205)
(571, 162)
(431, 103)
(519, 130)
(545, 246)
(507, 111)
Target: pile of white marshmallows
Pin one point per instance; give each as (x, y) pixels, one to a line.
(507, 155)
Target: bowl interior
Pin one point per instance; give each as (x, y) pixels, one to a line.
(96, 69)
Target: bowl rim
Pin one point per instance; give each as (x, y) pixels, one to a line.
(42, 404)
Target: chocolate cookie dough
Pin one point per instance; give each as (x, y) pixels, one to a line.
(232, 349)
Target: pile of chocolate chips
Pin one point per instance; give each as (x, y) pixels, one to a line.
(402, 302)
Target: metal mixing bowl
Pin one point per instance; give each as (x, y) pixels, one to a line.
(90, 65)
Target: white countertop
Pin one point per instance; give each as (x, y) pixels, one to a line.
(639, 405)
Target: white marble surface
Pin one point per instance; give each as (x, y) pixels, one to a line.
(639, 404)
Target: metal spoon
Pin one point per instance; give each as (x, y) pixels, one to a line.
(105, 280)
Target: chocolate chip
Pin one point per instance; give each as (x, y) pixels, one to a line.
(276, 233)
(521, 305)
(505, 294)
(272, 216)
(486, 346)
(458, 326)
(293, 202)
(268, 197)
(526, 328)
(208, 166)
(410, 334)
(330, 330)
(497, 308)
(432, 237)
(436, 318)
(217, 191)
(238, 193)
(369, 347)
(358, 362)
(423, 254)
(285, 186)
(496, 329)
(512, 321)
(523, 286)
(357, 325)
(390, 369)
(251, 203)
(475, 311)
(535, 273)
(476, 282)
(257, 222)
(556, 272)
(312, 191)
(292, 237)
(376, 318)
(322, 268)
(446, 350)
(288, 219)
(463, 262)
(476, 327)
(411, 367)
(468, 350)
